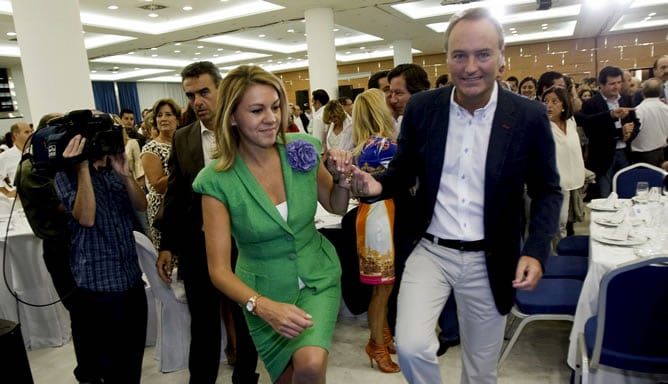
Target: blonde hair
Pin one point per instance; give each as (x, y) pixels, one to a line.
(231, 91)
(333, 109)
(371, 117)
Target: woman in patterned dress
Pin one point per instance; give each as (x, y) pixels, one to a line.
(154, 157)
(373, 135)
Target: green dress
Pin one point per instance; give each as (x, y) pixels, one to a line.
(275, 254)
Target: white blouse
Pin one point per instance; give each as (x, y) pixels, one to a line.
(570, 163)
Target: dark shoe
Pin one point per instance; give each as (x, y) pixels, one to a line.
(443, 345)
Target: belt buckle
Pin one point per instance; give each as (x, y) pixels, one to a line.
(461, 246)
(434, 240)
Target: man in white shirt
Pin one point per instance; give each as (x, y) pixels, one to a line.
(10, 158)
(296, 114)
(647, 147)
(317, 128)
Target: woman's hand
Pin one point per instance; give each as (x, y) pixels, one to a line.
(339, 163)
(286, 319)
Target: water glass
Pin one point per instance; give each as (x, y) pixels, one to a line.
(642, 189)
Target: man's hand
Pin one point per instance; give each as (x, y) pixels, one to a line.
(621, 112)
(164, 266)
(119, 162)
(75, 147)
(627, 130)
(363, 184)
(528, 273)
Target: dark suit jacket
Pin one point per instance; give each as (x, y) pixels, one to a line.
(181, 224)
(521, 150)
(600, 129)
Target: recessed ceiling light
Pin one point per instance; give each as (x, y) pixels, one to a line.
(187, 8)
(11, 33)
(177, 43)
(291, 30)
(154, 55)
(152, 15)
(652, 14)
(195, 59)
(131, 53)
(115, 67)
(219, 49)
(543, 25)
(261, 35)
(335, 29)
(347, 52)
(224, 1)
(154, 49)
(113, 7)
(137, 68)
(270, 61)
(543, 28)
(177, 51)
(215, 55)
(197, 53)
(93, 71)
(289, 57)
(200, 46)
(237, 52)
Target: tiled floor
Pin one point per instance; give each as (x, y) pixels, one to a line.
(538, 357)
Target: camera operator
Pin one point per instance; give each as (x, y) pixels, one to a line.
(100, 196)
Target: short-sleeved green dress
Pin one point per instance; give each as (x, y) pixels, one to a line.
(277, 256)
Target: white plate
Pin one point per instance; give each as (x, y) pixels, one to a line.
(631, 241)
(606, 223)
(600, 207)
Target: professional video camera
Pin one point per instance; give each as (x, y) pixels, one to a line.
(102, 138)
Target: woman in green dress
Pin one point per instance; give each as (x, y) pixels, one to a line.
(263, 189)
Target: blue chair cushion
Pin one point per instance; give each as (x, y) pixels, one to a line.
(576, 245)
(564, 267)
(650, 363)
(551, 296)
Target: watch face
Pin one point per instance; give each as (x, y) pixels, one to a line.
(250, 306)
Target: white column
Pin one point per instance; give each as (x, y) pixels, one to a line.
(322, 70)
(402, 52)
(53, 56)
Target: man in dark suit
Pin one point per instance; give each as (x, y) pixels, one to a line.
(473, 147)
(182, 234)
(609, 124)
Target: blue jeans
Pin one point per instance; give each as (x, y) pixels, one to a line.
(604, 181)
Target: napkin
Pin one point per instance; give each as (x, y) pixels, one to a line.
(616, 218)
(622, 232)
(610, 201)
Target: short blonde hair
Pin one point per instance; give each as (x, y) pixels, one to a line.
(333, 108)
(371, 117)
(231, 91)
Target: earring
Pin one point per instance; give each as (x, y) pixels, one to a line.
(563, 110)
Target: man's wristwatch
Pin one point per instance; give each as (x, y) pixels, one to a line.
(251, 304)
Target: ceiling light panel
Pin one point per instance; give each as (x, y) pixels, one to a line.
(175, 18)
(96, 40)
(281, 41)
(432, 8)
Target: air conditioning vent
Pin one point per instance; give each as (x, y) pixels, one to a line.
(152, 7)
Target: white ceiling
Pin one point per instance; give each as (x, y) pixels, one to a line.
(127, 44)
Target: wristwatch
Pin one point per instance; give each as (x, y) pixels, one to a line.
(251, 305)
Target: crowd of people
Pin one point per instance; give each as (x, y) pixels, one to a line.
(462, 192)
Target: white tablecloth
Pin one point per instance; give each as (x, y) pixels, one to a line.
(602, 258)
(25, 273)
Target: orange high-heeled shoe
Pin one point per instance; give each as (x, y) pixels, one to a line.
(381, 356)
(388, 339)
